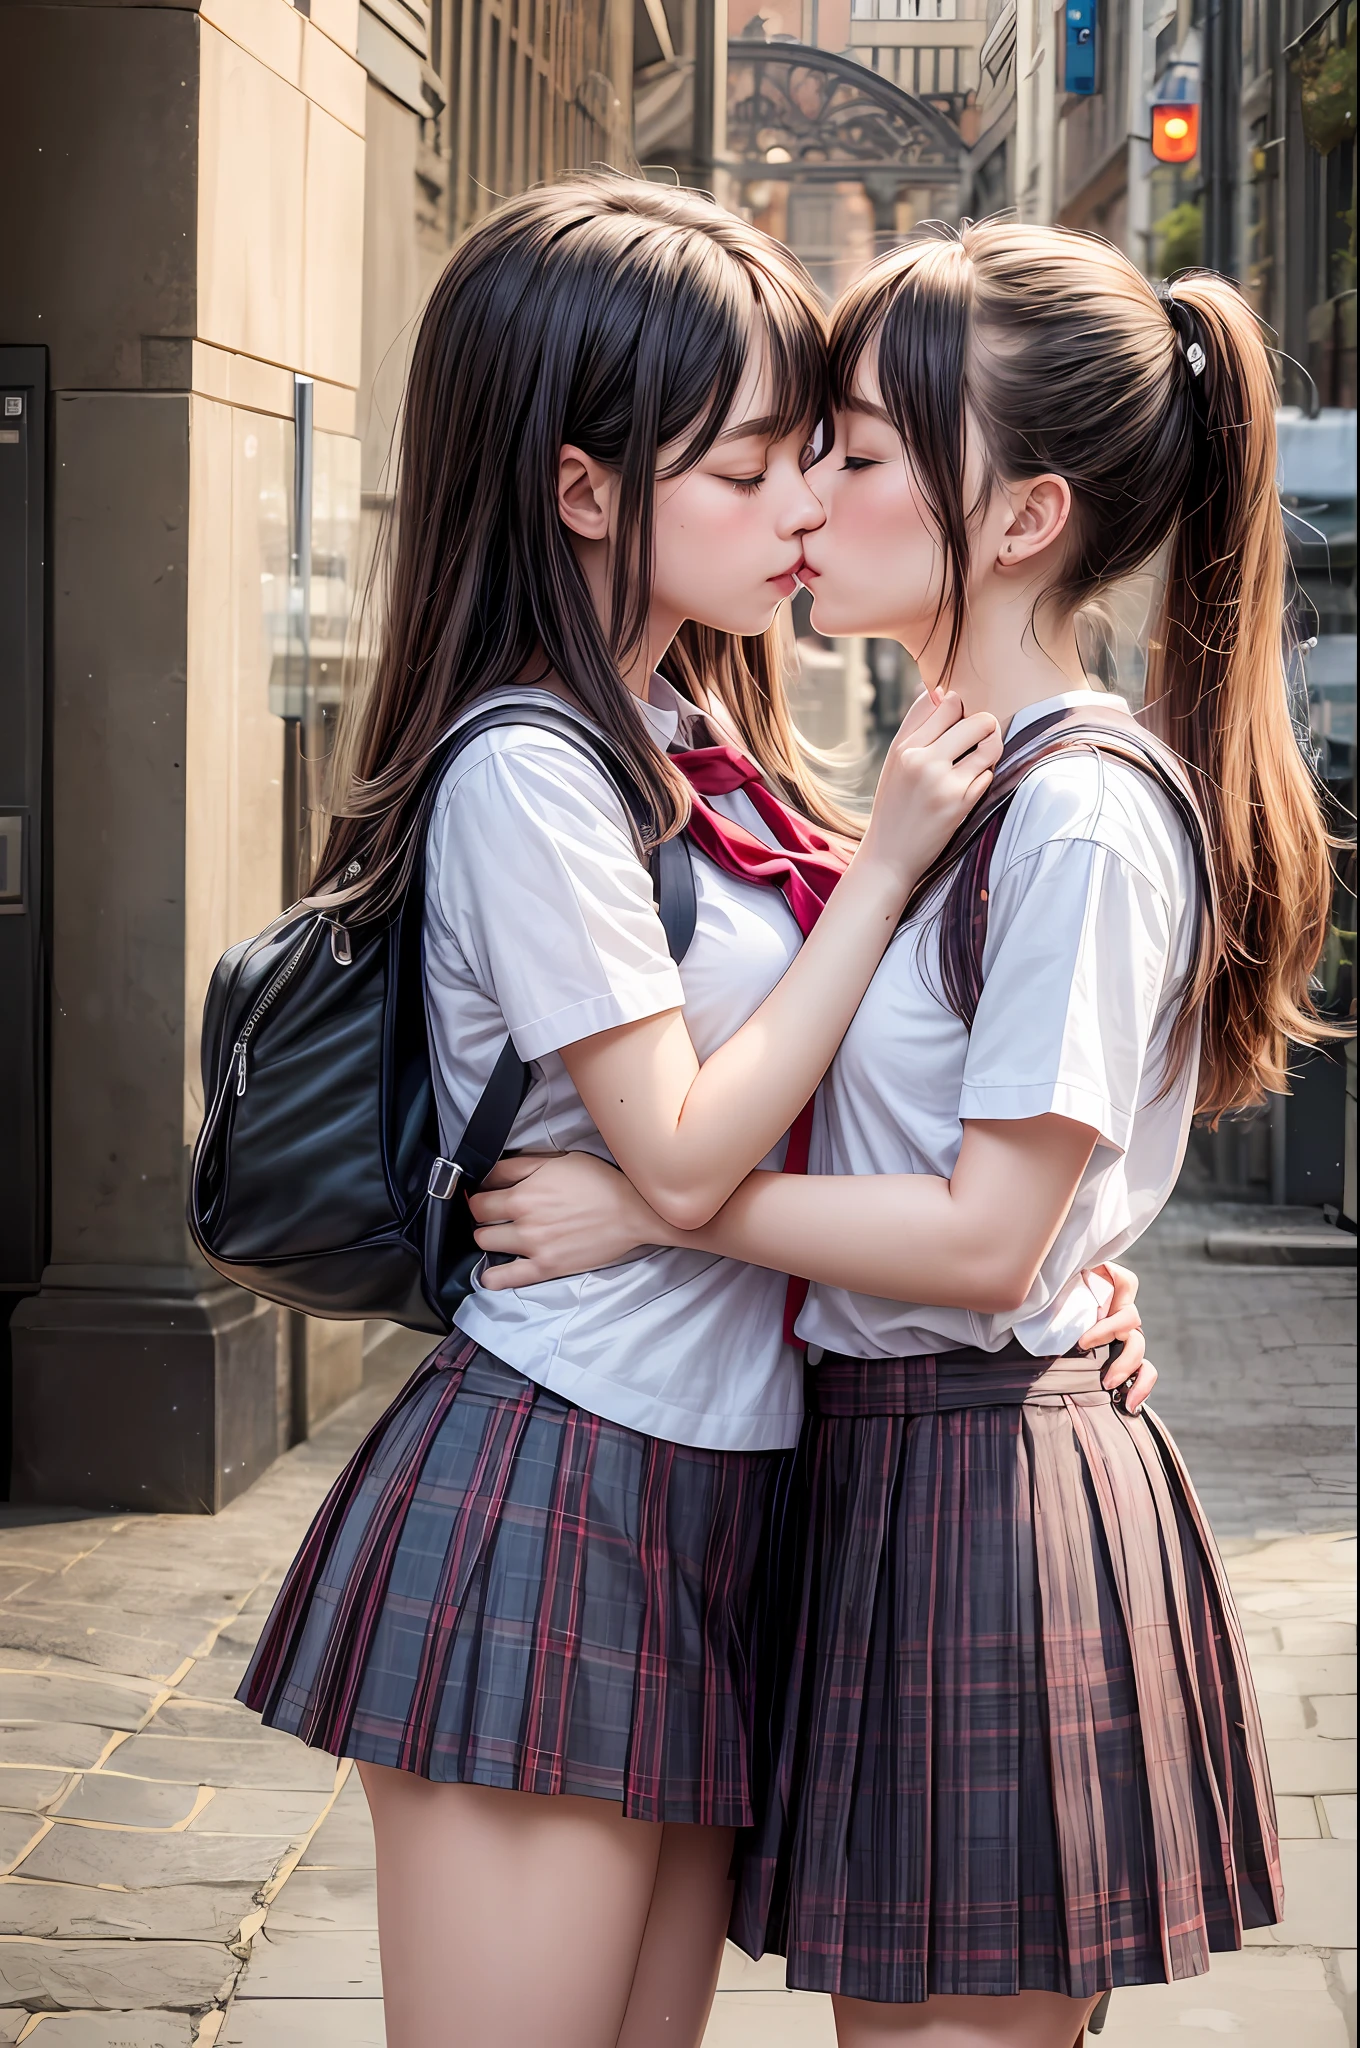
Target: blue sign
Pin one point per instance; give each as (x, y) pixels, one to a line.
(1079, 70)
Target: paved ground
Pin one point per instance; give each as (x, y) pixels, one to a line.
(1258, 1368)
(176, 1877)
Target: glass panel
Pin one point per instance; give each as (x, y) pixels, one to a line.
(308, 584)
(335, 555)
(330, 606)
(261, 545)
(265, 466)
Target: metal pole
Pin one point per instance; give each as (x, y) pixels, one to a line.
(300, 750)
(304, 392)
(298, 737)
(705, 63)
(1279, 1150)
(1222, 115)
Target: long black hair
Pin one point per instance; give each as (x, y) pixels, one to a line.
(618, 316)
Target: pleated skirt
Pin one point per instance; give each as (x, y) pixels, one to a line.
(1009, 1739)
(503, 1589)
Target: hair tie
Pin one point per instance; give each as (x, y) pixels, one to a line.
(1186, 323)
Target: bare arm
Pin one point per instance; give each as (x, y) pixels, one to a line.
(974, 1241)
(574, 1213)
(686, 1134)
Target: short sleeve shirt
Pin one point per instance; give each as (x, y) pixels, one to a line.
(540, 926)
(1092, 925)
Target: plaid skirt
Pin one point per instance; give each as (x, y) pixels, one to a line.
(501, 1589)
(1011, 1740)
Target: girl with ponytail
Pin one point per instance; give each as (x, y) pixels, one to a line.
(1017, 1759)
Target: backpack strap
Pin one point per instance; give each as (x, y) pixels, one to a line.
(669, 863)
(487, 1130)
(966, 860)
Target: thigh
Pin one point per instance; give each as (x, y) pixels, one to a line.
(1033, 2019)
(677, 1971)
(506, 1919)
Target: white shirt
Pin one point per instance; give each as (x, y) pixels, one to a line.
(539, 923)
(1092, 923)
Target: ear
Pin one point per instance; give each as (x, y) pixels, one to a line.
(585, 494)
(1040, 509)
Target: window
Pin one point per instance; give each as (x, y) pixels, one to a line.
(904, 10)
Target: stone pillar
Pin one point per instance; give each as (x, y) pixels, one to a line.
(190, 237)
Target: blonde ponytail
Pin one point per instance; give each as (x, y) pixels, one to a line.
(1216, 684)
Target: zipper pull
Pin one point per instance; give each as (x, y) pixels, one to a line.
(239, 1050)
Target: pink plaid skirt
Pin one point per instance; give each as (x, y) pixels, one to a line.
(502, 1589)
(1010, 1740)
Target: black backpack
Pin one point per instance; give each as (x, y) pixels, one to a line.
(318, 1180)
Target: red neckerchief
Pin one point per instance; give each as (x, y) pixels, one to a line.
(807, 869)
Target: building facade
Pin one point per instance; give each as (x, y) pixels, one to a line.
(1078, 158)
(1294, 197)
(230, 216)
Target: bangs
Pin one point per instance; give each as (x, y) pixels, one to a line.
(795, 335)
(770, 302)
(918, 302)
(858, 316)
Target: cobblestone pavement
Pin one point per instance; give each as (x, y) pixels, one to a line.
(174, 1876)
(1258, 1366)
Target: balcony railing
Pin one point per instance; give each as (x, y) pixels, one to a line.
(904, 10)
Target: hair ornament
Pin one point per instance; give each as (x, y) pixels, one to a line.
(1183, 319)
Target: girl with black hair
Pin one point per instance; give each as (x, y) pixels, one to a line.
(524, 1609)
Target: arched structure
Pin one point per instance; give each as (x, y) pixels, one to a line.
(836, 160)
(830, 156)
(794, 112)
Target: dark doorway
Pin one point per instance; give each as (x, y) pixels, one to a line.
(23, 862)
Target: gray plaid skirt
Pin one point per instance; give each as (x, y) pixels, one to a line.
(502, 1589)
(1008, 1738)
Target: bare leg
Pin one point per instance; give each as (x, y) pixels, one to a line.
(1034, 2019)
(506, 1919)
(677, 1971)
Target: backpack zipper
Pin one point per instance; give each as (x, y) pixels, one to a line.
(280, 981)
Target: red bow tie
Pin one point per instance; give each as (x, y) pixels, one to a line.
(807, 869)
(809, 866)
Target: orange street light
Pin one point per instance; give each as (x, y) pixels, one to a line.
(1175, 132)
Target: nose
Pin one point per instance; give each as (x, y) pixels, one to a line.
(807, 512)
